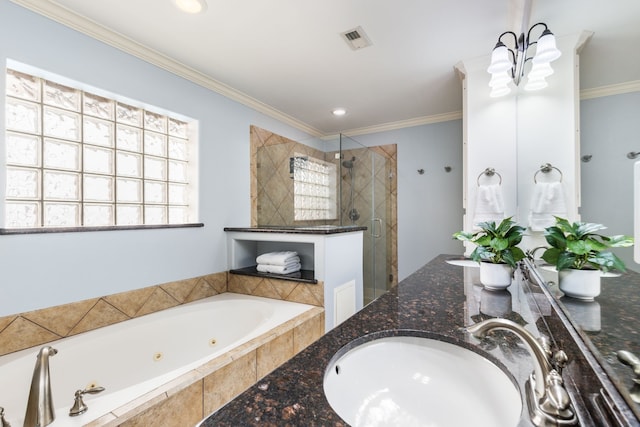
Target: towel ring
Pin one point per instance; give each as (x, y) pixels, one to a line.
(546, 168)
(489, 172)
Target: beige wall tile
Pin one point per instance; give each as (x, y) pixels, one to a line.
(180, 410)
(201, 290)
(225, 384)
(303, 294)
(63, 318)
(308, 332)
(274, 353)
(180, 289)
(130, 302)
(102, 314)
(159, 300)
(21, 334)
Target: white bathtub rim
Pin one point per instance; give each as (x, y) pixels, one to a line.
(158, 388)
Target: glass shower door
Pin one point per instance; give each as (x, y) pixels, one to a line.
(365, 191)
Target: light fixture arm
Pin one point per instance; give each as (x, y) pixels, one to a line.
(528, 39)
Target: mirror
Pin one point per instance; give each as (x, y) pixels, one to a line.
(608, 133)
(609, 108)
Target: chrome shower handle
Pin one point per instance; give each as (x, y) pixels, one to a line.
(373, 227)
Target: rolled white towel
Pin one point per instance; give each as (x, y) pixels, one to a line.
(277, 258)
(279, 269)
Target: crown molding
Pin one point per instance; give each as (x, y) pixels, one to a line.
(615, 89)
(91, 28)
(417, 121)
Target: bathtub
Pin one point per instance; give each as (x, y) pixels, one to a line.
(133, 358)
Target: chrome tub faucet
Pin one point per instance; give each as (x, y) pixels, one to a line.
(548, 400)
(40, 410)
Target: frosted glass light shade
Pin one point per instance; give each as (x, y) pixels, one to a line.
(500, 60)
(546, 50)
(536, 84)
(500, 79)
(540, 70)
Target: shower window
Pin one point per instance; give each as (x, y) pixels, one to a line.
(314, 188)
(75, 158)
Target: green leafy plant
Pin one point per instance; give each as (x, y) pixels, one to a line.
(578, 246)
(495, 243)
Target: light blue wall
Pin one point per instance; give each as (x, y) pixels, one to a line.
(610, 127)
(429, 205)
(41, 270)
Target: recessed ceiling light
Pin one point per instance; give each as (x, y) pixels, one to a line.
(339, 112)
(191, 6)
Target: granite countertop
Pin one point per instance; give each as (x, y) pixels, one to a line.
(307, 229)
(609, 324)
(439, 300)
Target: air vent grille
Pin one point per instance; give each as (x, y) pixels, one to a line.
(356, 38)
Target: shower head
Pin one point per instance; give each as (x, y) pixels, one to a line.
(349, 163)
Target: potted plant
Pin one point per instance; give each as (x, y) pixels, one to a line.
(580, 256)
(496, 251)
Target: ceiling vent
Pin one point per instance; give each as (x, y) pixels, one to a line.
(356, 38)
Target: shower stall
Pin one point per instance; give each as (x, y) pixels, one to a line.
(367, 189)
(360, 190)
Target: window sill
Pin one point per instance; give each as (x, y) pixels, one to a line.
(41, 230)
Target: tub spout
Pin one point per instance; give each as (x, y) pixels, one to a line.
(549, 403)
(40, 410)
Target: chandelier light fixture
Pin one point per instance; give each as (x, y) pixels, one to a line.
(508, 64)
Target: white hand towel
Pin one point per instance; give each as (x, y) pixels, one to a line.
(489, 204)
(279, 269)
(547, 201)
(277, 258)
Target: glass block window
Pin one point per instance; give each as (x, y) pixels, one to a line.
(74, 158)
(314, 188)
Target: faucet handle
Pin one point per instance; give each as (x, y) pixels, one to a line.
(632, 361)
(560, 360)
(3, 422)
(556, 393)
(79, 407)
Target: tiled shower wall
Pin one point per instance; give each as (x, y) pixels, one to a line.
(271, 182)
(272, 190)
(25, 330)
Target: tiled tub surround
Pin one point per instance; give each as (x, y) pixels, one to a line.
(176, 365)
(34, 329)
(439, 300)
(24, 330)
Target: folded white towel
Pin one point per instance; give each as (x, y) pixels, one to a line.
(547, 201)
(277, 258)
(489, 204)
(279, 269)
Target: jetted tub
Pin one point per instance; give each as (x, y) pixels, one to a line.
(135, 357)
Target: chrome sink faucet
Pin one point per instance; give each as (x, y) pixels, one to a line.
(40, 410)
(549, 403)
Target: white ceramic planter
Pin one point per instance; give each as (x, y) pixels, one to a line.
(495, 276)
(581, 284)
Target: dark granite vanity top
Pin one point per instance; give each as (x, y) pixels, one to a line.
(308, 229)
(609, 324)
(437, 301)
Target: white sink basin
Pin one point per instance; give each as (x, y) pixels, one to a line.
(414, 381)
